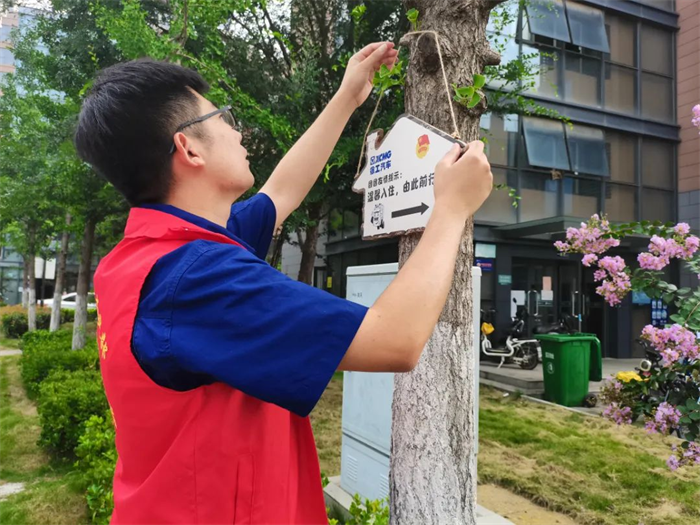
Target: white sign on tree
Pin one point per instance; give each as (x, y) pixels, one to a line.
(399, 175)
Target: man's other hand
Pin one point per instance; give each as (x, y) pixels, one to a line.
(357, 82)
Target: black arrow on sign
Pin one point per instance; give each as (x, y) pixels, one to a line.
(410, 211)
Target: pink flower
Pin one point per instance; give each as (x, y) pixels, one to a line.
(672, 462)
(589, 259)
(620, 415)
(696, 116)
(673, 343)
(682, 228)
(665, 420)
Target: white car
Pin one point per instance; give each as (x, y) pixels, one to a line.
(68, 301)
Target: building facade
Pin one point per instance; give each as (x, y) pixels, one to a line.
(612, 67)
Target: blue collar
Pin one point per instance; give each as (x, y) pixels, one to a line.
(197, 221)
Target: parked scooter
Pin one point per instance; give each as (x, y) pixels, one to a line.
(522, 352)
(567, 324)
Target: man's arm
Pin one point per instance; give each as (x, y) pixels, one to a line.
(395, 329)
(297, 172)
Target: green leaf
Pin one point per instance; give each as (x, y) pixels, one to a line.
(692, 404)
(479, 81)
(412, 15)
(685, 420)
(695, 416)
(474, 100)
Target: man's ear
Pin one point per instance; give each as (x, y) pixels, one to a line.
(188, 151)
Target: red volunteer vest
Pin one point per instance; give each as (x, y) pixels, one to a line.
(208, 455)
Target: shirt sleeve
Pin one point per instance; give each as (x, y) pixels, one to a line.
(233, 318)
(253, 221)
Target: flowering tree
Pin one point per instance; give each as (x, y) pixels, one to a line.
(666, 393)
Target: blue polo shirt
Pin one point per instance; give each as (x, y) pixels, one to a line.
(217, 312)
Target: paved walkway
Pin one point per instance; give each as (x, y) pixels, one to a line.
(9, 351)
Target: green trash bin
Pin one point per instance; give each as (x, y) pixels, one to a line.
(566, 365)
(596, 370)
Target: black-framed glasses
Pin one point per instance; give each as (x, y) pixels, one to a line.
(225, 113)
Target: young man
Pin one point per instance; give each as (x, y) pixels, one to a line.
(211, 359)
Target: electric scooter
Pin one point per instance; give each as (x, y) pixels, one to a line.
(522, 352)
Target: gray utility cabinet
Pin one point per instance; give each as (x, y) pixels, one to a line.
(367, 397)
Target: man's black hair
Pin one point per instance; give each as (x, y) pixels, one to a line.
(128, 120)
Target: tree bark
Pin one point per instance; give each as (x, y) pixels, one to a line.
(433, 467)
(31, 306)
(80, 322)
(60, 276)
(308, 254)
(25, 283)
(277, 245)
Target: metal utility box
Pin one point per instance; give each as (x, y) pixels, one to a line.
(367, 397)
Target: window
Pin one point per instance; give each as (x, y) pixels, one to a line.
(507, 46)
(657, 163)
(620, 88)
(621, 36)
(544, 83)
(622, 157)
(6, 57)
(501, 134)
(582, 79)
(657, 205)
(657, 97)
(539, 197)
(587, 27)
(351, 224)
(499, 206)
(621, 203)
(547, 18)
(656, 50)
(587, 150)
(581, 197)
(5, 33)
(544, 141)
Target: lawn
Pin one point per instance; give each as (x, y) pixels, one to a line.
(582, 466)
(51, 494)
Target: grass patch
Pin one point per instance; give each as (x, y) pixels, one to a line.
(51, 494)
(586, 467)
(326, 420)
(10, 344)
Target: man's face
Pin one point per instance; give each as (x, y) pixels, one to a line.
(226, 164)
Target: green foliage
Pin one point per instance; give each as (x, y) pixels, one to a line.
(512, 193)
(412, 16)
(97, 458)
(45, 352)
(370, 512)
(67, 400)
(387, 78)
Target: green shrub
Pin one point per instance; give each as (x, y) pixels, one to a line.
(45, 352)
(67, 316)
(15, 323)
(97, 457)
(92, 315)
(67, 400)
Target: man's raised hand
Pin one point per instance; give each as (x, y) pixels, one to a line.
(357, 82)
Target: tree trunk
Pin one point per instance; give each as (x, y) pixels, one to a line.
(80, 322)
(31, 306)
(308, 254)
(277, 245)
(60, 276)
(433, 466)
(25, 283)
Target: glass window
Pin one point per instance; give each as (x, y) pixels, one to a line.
(5, 33)
(587, 27)
(656, 50)
(546, 62)
(503, 19)
(582, 80)
(587, 150)
(581, 197)
(621, 203)
(499, 206)
(657, 97)
(621, 156)
(6, 57)
(657, 205)
(657, 163)
(661, 4)
(621, 33)
(539, 197)
(544, 141)
(501, 134)
(620, 87)
(507, 47)
(547, 18)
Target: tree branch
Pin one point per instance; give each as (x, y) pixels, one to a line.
(280, 43)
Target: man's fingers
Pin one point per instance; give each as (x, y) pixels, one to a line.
(452, 155)
(371, 48)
